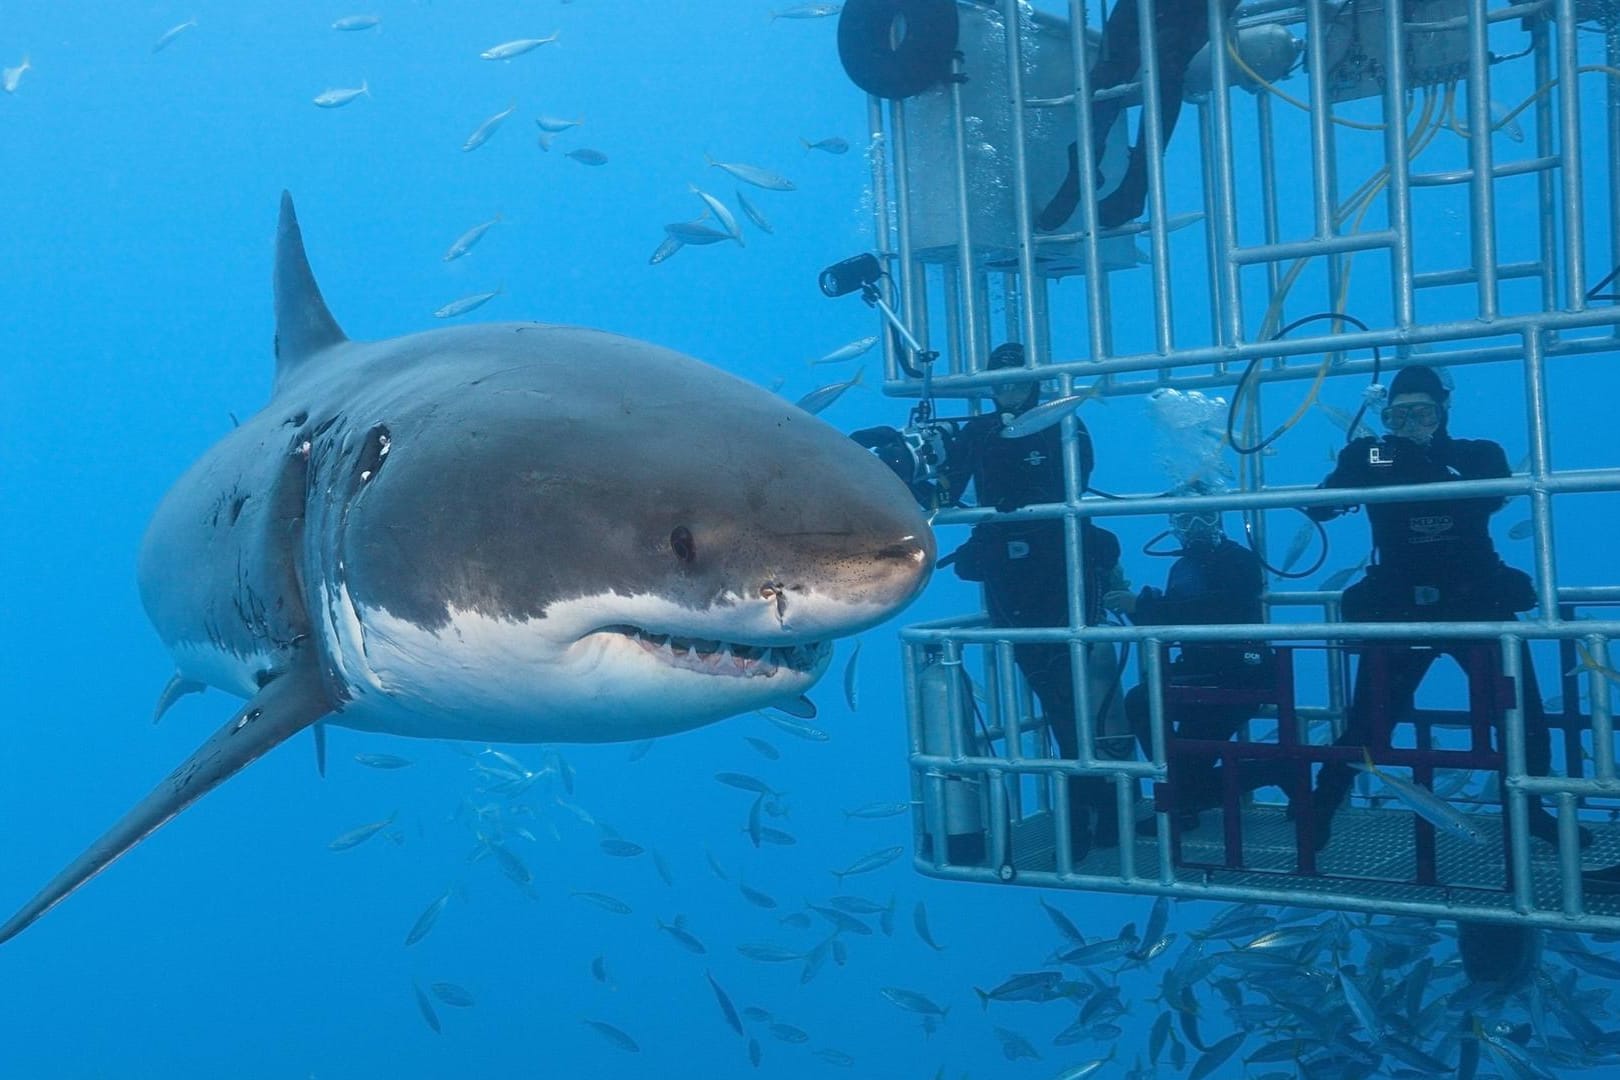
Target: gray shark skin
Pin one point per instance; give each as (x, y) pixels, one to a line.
(511, 532)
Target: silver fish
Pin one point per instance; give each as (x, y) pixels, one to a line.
(721, 212)
(1088, 1068)
(605, 902)
(807, 11)
(425, 1007)
(821, 397)
(1421, 801)
(481, 134)
(1297, 545)
(170, 34)
(1046, 414)
(752, 174)
(467, 240)
(465, 304)
(1035, 986)
(508, 49)
(1340, 578)
(695, 233)
(757, 898)
(843, 922)
(613, 1035)
(752, 213)
(744, 782)
(453, 995)
(430, 915)
(1064, 925)
(512, 866)
(641, 749)
(919, 920)
(795, 726)
(788, 1033)
(681, 934)
(832, 145)
(553, 124)
(586, 156)
(851, 697)
(763, 748)
(875, 860)
(357, 836)
(912, 1001)
(726, 1007)
(848, 352)
(1521, 530)
(769, 954)
(620, 849)
(338, 97)
(874, 811)
(667, 247)
(383, 761)
(1015, 1046)
(357, 22)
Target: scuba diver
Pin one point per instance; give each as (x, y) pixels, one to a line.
(1180, 29)
(1435, 563)
(1214, 580)
(1022, 567)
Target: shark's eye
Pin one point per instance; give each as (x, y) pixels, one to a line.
(682, 544)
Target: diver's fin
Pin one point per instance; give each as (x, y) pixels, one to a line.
(303, 323)
(179, 686)
(319, 731)
(285, 706)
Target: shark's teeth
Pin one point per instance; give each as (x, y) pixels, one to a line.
(737, 659)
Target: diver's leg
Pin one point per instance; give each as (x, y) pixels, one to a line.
(1047, 669)
(1121, 59)
(1403, 670)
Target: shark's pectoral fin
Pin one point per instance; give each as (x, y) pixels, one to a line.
(284, 707)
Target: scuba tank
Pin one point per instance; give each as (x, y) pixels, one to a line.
(964, 794)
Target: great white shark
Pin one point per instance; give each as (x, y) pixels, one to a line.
(512, 532)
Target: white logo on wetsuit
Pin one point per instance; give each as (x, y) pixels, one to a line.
(1430, 527)
(1375, 456)
(1034, 458)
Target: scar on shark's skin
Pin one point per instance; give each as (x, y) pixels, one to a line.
(508, 533)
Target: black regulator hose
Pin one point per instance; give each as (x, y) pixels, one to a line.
(1248, 373)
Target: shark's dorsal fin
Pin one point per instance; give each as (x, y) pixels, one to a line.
(303, 324)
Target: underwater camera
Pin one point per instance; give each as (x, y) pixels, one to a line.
(920, 455)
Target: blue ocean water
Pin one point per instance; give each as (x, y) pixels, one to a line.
(139, 192)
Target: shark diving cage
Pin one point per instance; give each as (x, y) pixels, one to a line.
(1442, 173)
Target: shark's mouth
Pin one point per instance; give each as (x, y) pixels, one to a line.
(735, 659)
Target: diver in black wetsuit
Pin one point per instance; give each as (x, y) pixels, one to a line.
(1026, 584)
(1435, 563)
(1025, 576)
(1181, 28)
(1214, 581)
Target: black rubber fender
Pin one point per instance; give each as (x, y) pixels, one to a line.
(923, 57)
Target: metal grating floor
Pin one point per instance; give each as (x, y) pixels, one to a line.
(1369, 847)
